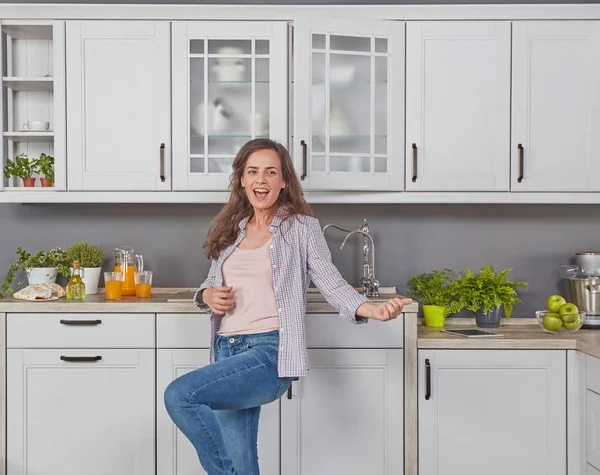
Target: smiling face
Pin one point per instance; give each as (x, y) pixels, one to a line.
(263, 179)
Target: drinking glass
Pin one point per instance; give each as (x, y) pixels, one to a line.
(113, 281)
(143, 284)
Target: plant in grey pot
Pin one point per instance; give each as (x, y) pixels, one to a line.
(435, 291)
(90, 258)
(489, 294)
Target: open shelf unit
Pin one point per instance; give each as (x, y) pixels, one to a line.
(32, 88)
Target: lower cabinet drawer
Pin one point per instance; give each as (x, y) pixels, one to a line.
(593, 373)
(80, 330)
(328, 330)
(192, 330)
(183, 330)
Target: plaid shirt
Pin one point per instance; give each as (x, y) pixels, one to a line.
(299, 254)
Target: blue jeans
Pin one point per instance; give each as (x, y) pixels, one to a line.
(217, 406)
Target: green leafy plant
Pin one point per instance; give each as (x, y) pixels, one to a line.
(53, 258)
(435, 288)
(45, 166)
(487, 289)
(22, 167)
(88, 254)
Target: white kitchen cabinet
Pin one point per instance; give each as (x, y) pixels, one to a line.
(119, 105)
(593, 428)
(182, 341)
(555, 106)
(349, 103)
(229, 86)
(71, 417)
(346, 416)
(457, 106)
(492, 412)
(32, 88)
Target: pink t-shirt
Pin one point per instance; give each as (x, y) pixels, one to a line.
(248, 271)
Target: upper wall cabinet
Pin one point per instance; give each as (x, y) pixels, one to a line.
(229, 86)
(32, 98)
(556, 106)
(118, 112)
(457, 106)
(349, 103)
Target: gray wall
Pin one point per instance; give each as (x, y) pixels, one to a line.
(532, 239)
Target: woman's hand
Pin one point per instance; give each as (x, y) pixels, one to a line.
(219, 299)
(385, 311)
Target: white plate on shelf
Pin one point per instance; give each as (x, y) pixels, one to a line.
(34, 131)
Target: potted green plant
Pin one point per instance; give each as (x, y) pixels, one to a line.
(23, 168)
(489, 294)
(435, 291)
(41, 267)
(91, 258)
(45, 166)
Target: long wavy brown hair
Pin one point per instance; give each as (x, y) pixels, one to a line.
(224, 229)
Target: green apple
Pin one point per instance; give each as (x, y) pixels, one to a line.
(568, 309)
(570, 318)
(573, 325)
(555, 302)
(552, 322)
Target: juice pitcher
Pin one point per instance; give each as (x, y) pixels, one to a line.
(127, 262)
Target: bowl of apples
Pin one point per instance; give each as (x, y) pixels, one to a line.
(561, 316)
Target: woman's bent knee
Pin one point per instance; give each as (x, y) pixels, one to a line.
(174, 396)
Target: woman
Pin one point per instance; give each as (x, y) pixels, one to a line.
(265, 247)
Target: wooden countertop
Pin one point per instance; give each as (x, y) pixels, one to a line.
(156, 304)
(519, 333)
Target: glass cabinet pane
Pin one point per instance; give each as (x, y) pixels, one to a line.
(229, 95)
(349, 104)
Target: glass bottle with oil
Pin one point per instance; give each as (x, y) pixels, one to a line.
(76, 286)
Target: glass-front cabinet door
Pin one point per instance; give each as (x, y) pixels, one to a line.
(229, 86)
(349, 103)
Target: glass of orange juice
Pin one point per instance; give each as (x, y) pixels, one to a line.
(143, 284)
(113, 281)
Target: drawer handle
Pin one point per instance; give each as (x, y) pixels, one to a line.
(521, 160)
(81, 322)
(77, 359)
(427, 380)
(289, 392)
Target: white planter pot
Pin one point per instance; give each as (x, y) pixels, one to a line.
(41, 275)
(91, 277)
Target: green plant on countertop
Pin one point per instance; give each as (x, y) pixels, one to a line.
(45, 166)
(53, 258)
(487, 289)
(22, 167)
(88, 254)
(435, 288)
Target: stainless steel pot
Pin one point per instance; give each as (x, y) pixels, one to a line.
(586, 294)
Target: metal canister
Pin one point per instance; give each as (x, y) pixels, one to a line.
(586, 294)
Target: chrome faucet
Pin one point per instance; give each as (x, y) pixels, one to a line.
(369, 284)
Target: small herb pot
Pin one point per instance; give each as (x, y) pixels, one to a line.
(434, 316)
(29, 182)
(45, 182)
(490, 319)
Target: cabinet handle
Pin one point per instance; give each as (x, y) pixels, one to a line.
(162, 162)
(81, 322)
(427, 380)
(414, 176)
(520, 147)
(80, 358)
(304, 158)
(289, 392)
